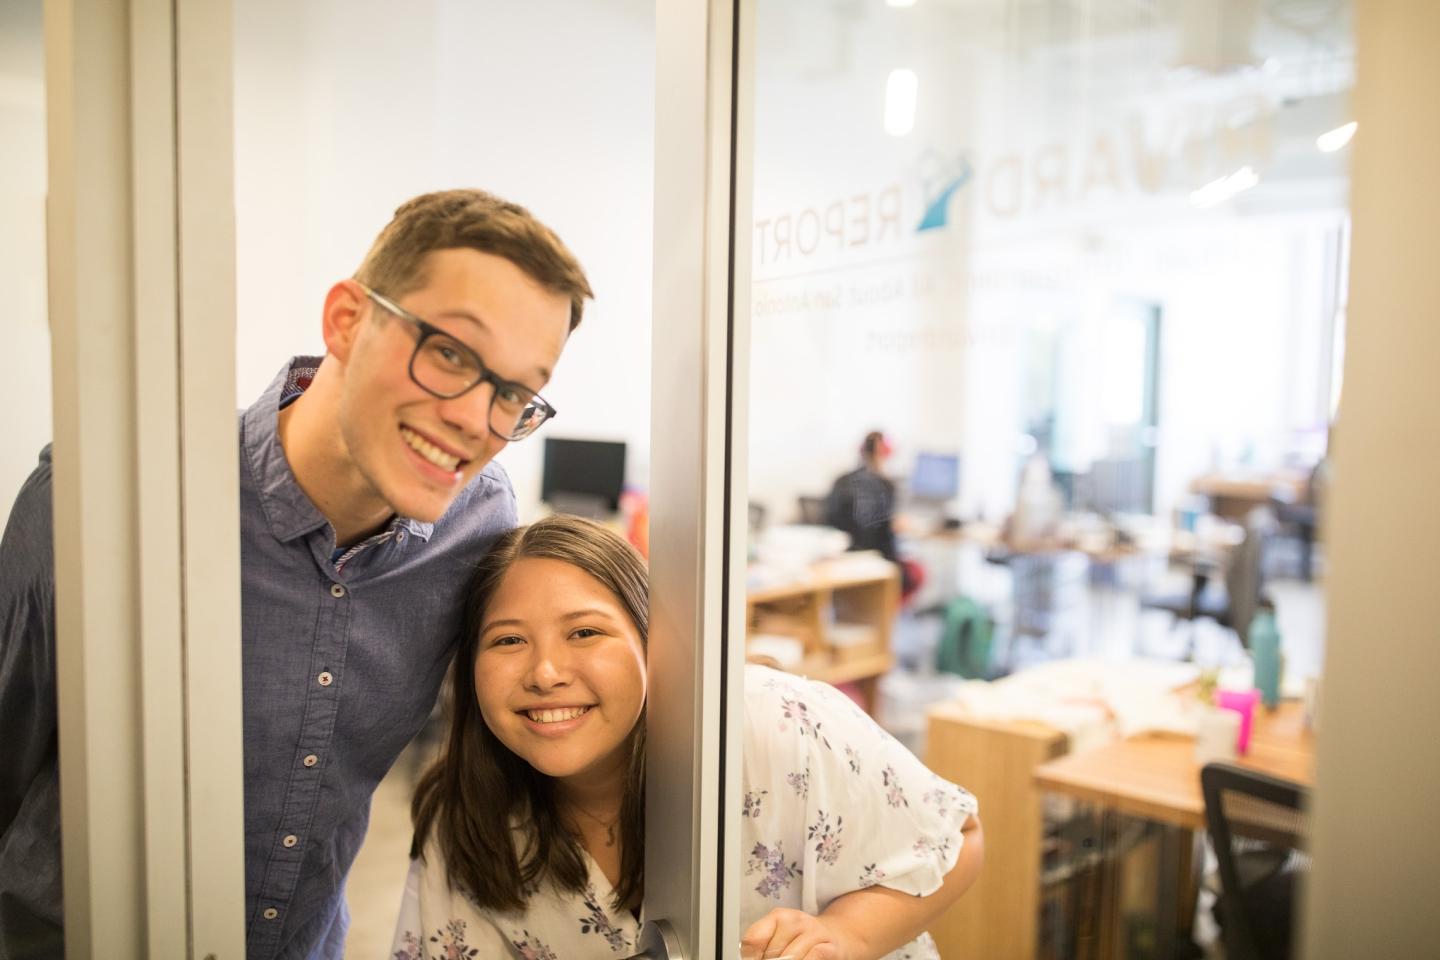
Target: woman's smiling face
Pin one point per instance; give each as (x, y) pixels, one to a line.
(560, 670)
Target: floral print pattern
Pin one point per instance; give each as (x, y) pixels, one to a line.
(597, 921)
(827, 838)
(830, 805)
(860, 809)
(799, 782)
(894, 793)
(941, 798)
(937, 846)
(776, 874)
(451, 941)
(531, 951)
(407, 947)
(798, 713)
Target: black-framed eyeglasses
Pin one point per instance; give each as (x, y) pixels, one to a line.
(446, 368)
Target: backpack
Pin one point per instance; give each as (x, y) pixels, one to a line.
(966, 639)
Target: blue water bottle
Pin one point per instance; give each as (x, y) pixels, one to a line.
(1264, 640)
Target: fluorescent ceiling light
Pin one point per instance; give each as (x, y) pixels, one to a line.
(900, 92)
(899, 3)
(1218, 191)
(1337, 138)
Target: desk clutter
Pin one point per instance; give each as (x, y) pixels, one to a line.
(1091, 774)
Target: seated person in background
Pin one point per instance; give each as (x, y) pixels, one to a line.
(529, 829)
(862, 503)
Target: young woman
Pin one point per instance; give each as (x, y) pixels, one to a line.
(529, 830)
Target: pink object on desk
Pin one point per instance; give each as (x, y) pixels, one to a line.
(1242, 702)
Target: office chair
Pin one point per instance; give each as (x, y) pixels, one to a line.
(1236, 604)
(1259, 827)
(1301, 518)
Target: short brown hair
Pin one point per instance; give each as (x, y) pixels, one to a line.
(480, 221)
(472, 795)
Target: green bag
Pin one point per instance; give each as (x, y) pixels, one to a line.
(966, 640)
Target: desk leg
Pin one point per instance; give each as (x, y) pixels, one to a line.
(1175, 897)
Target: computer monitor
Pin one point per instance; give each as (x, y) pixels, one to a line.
(936, 477)
(581, 471)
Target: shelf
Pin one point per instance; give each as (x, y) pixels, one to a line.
(860, 668)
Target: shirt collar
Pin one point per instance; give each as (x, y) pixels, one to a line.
(288, 511)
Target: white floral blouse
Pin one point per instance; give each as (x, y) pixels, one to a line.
(832, 804)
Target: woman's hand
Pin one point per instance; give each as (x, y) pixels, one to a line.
(867, 923)
(795, 935)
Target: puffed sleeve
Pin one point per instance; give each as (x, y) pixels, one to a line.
(874, 814)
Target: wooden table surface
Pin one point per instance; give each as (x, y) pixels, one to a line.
(1156, 776)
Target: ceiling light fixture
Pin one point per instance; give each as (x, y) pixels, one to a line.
(900, 90)
(1337, 138)
(1218, 191)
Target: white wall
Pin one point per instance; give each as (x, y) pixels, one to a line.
(25, 361)
(345, 109)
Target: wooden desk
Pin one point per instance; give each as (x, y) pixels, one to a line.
(1233, 495)
(835, 594)
(995, 760)
(1156, 777)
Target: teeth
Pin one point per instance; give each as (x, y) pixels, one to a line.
(555, 716)
(428, 450)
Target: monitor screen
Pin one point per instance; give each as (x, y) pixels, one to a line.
(936, 476)
(577, 470)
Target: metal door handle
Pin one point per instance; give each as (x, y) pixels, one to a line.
(659, 941)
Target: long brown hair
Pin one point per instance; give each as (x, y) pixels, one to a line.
(478, 794)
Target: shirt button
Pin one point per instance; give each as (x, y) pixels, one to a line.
(337, 590)
(290, 840)
(325, 679)
(311, 760)
(400, 536)
(270, 913)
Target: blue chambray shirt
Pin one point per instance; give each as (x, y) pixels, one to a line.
(343, 655)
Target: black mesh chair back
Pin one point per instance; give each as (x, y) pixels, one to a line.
(1259, 827)
(1244, 577)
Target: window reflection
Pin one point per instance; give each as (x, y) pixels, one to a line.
(1094, 256)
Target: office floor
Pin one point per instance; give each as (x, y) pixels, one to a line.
(377, 880)
(1098, 617)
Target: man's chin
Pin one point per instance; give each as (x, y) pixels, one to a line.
(423, 509)
(427, 503)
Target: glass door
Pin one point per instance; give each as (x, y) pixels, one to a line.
(318, 121)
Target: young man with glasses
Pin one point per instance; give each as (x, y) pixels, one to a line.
(367, 492)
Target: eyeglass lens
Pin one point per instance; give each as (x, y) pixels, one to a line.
(444, 366)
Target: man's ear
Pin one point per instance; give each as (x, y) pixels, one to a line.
(344, 311)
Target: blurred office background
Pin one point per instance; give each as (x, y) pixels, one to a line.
(1083, 263)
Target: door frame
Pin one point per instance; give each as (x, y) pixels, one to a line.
(140, 246)
(699, 469)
